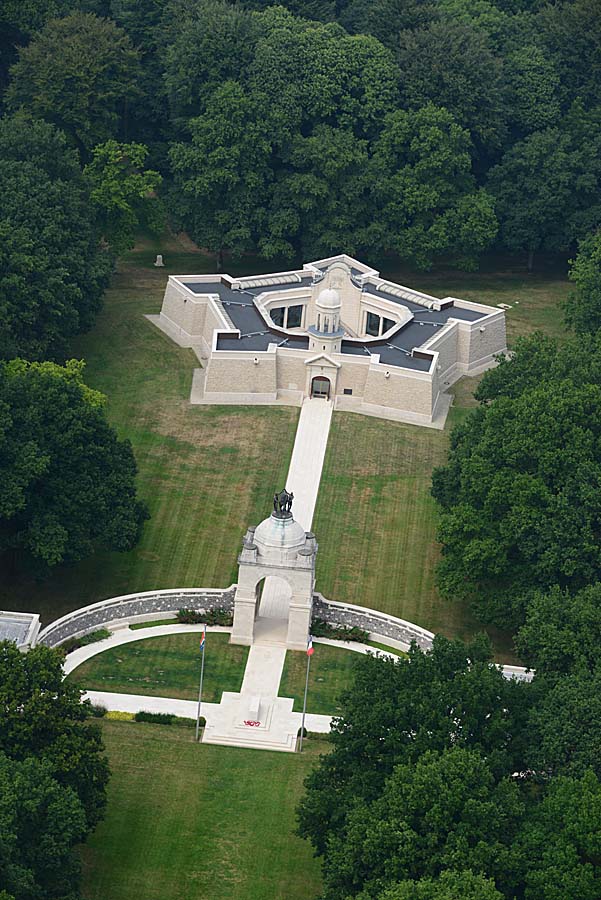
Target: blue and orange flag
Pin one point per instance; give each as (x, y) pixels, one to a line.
(203, 638)
(310, 649)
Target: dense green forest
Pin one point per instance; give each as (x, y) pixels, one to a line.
(428, 128)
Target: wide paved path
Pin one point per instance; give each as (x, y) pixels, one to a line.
(308, 455)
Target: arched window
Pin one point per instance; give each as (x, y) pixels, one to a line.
(318, 322)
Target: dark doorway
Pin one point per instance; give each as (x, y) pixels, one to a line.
(320, 387)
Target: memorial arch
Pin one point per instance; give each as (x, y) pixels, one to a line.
(276, 578)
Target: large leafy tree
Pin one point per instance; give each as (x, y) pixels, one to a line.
(78, 73)
(558, 849)
(546, 187)
(565, 726)
(43, 717)
(446, 810)
(452, 64)
(562, 632)
(205, 44)
(222, 174)
(450, 885)
(570, 32)
(449, 697)
(122, 191)
(519, 499)
(41, 822)
(583, 307)
(68, 483)
(424, 191)
(52, 270)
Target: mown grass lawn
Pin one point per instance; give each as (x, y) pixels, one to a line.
(376, 524)
(190, 821)
(208, 472)
(330, 673)
(167, 666)
(535, 298)
(205, 472)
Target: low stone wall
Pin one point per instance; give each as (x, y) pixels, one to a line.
(372, 621)
(132, 607)
(398, 631)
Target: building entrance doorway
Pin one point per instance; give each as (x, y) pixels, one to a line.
(320, 387)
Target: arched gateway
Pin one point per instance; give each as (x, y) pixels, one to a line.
(276, 577)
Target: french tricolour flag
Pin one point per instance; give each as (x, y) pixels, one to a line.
(310, 648)
(203, 638)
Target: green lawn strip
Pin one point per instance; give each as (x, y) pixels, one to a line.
(205, 472)
(190, 821)
(135, 625)
(166, 667)
(376, 524)
(331, 673)
(387, 648)
(534, 298)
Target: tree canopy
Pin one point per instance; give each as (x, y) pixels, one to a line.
(68, 483)
(77, 73)
(52, 269)
(518, 499)
(53, 775)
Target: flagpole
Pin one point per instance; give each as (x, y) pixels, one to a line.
(300, 749)
(202, 671)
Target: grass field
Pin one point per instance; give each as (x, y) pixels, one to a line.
(205, 472)
(166, 666)
(330, 673)
(190, 821)
(208, 472)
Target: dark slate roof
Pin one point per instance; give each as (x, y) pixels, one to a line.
(256, 335)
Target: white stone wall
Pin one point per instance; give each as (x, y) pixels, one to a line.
(238, 373)
(403, 389)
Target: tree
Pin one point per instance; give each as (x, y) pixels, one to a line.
(224, 171)
(562, 633)
(19, 21)
(518, 498)
(79, 74)
(565, 727)
(424, 190)
(52, 270)
(43, 717)
(41, 822)
(558, 847)
(395, 712)
(449, 886)
(451, 64)
(533, 87)
(319, 200)
(547, 186)
(570, 33)
(386, 19)
(206, 44)
(444, 811)
(583, 307)
(121, 190)
(68, 483)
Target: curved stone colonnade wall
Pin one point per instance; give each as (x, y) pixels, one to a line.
(378, 624)
(151, 605)
(132, 608)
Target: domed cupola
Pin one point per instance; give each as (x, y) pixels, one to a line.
(328, 311)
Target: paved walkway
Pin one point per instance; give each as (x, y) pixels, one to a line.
(308, 455)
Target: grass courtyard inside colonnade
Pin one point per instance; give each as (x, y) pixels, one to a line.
(208, 472)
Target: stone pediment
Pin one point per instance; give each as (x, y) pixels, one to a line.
(322, 359)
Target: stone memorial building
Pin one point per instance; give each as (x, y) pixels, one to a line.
(333, 329)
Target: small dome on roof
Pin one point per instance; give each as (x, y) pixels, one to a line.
(329, 298)
(275, 533)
